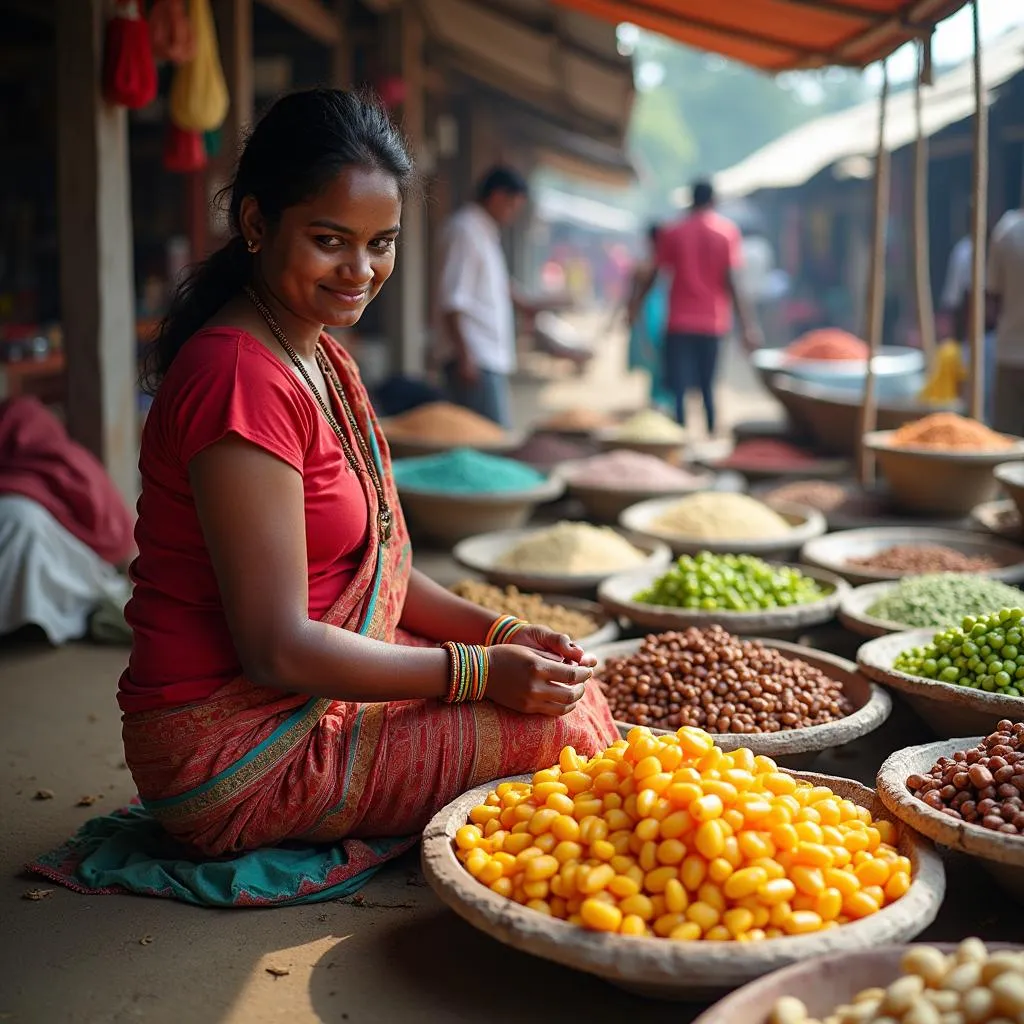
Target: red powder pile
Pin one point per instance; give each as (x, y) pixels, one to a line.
(766, 454)
(827, 344)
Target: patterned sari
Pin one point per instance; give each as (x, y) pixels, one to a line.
(252, 766)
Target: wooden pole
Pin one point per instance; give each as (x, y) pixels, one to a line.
(876, 285)
(922, 263)
(976, 327)
(97, 291)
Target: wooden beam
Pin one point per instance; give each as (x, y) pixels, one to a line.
(96, 276)
(922, 269)
(876, 287)
(979, 241)
(342, 55)
(309, 16)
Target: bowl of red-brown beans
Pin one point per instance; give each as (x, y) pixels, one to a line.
(966, 794)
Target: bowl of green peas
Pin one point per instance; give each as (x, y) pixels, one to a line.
(965, 678)
(744, 594)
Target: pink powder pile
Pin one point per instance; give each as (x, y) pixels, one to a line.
(627, 469)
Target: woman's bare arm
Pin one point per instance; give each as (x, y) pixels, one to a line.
(438, 614)
(250, 506)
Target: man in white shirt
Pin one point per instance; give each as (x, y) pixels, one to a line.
(1006, 291)
(477, 300)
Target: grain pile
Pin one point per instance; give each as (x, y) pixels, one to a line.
(530, 607)
(945, 431)
(442, 423)
(712, 515)
(572, 549)
(629, 470)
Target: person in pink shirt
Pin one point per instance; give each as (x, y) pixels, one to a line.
(700, 254)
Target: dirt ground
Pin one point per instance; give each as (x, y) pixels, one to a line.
(396, 955)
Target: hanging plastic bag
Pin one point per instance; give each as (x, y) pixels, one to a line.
(199, 94)
(129, 72)
(184, 151)
(171, 31)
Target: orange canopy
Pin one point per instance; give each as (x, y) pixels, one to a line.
(782, 35)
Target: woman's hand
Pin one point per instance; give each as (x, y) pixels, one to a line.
(533, 682)
(547, 641)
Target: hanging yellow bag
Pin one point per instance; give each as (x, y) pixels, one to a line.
(199, 94)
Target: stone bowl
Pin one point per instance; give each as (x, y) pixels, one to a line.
(1010, 476)
(939, 482)
(806, 524)
(448, 518)
(853, 611)
(821, 983)
(611, 438)
(605, 504)
(833, 551)
(819, 469)
(480, 554)
(794, 748)
(661, 968)
(1001, 518)
(1001, 855)
(946, 707)
(404, 447)
(617, 595)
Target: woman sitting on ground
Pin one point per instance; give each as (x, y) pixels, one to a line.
(276, 689)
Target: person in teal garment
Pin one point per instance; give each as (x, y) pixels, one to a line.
(647, 334)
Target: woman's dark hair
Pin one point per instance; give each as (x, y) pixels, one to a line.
(298, 146)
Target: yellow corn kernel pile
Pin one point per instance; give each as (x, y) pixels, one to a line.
(669, 836)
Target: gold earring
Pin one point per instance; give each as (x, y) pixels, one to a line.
(252, 245)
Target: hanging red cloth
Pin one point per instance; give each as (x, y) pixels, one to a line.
(39, 461)
(171, 31)
(184, 152)
(129, 72)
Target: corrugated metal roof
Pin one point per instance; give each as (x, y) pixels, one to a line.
(802, 153)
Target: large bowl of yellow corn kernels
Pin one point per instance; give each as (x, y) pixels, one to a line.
(678, 870)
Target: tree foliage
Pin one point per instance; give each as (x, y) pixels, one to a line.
(697, 113)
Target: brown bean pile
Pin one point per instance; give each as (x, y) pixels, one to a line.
(922, 558)
(983, 785)
(531, 607)
(711, 679)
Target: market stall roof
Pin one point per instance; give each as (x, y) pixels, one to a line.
(799, 155)
(565, 64)
(782, 35)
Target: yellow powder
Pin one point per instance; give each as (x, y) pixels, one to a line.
(650, 425)
(713, 516)
(575, 549)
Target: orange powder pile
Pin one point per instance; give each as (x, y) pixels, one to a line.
(828, 343)
(444, 423)
(949, 432)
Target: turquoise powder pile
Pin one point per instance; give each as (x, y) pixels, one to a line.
(465, 471)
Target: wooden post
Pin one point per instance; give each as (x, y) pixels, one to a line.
(234, 37)
(976, 327)
(922, 262)
(404, 311)
(97, 286)
(341, 53)
(876, 285)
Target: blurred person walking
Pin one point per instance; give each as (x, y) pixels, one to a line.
(1005, 287)
(701, 253)
(647, 329)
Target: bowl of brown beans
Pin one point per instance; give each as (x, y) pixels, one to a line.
(945, 707)
(874, 555)
(777, 698)
(966, 794)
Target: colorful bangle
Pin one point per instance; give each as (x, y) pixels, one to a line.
(469, 666)
(503, 628)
